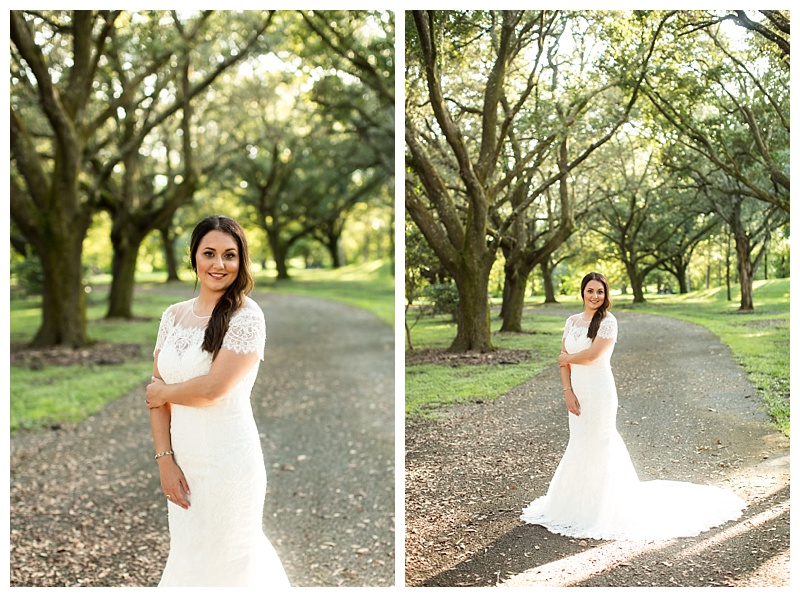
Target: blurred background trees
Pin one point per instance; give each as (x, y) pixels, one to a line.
(129, 127)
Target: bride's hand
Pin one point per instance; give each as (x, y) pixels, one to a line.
(155, 393)
(573, 405)
(563, 359)
(173, 483)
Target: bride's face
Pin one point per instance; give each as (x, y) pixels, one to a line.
(217, 261)
(594, 294)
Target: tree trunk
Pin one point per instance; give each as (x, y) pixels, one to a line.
(728, 267)
(126, 240)
(547, 277)
(638, 293)
(63, 295)
(332, 244)
(516, 281)
(682, 269)
(637, 282)
(408, 328)
(526, 255)
(745, 271)
(744, 264)
(168, 242)
(279, 254)
(50, 211)
(127, 236)
(473, 315)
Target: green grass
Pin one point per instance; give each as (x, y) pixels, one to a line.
(56, 394)
(759, 341)
(26, 315)
(432, 387)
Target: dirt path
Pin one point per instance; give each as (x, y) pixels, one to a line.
(687, 413)
(86, 509)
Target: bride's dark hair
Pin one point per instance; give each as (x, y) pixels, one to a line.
(234, 295)
(601, 312)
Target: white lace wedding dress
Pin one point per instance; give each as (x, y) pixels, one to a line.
(595, 491)
(219, 540)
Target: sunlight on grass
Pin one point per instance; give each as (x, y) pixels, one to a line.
(435, 386)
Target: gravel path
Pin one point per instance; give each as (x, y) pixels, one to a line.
(86, 508)
(687, 413)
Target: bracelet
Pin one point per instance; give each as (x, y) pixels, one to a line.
(565, 389)
(167, 453)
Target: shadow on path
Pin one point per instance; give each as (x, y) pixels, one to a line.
(529, 555)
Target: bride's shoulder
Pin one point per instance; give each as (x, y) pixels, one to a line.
(608, 321)
(608, 327)
(249, 310)
(251, 305)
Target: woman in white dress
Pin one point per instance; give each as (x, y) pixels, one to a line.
(206, 441)
(595, 491)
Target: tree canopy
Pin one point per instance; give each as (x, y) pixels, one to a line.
(130, 114)
(643, 129)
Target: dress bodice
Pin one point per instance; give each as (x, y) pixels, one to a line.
(180, 348)
(576, 336)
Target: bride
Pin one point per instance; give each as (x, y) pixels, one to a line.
(595, 492)
(206, 441)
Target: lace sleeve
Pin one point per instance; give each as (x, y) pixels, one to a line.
(567, 327)
(246, 332)
(608, 328)
(167, 320)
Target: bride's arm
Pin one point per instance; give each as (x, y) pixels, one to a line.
(173, 483)
(227, 370)
(570, 398)
(591, 354)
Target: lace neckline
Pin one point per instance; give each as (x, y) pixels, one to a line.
(194, 300)
(579, 321)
